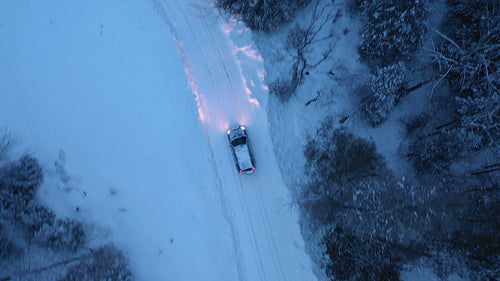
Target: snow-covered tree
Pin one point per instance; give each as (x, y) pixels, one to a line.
(63, 235)
(355, 259)
(468, 56)
(393, 29)
(337, 156)
(23, 176)
(19, 181)
(264, 15)
(34, 217)
(387, 85)
(377, 223)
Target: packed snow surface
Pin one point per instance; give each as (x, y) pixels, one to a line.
(132, 99)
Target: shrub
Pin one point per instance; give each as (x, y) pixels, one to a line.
(283, 90)
(18, 184)
(22, 177)
(63, 235)
(105, 263)
(386, 85)
(296, 38)
(337, 156)
(34, 217)
(353, 258)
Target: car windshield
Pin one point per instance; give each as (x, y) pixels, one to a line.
(238, 141)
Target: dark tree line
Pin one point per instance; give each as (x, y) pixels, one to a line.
(468, 56)
(373, 224)
(446, 215)
(393, 31)
(25, 223)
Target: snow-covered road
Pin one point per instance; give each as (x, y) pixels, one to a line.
(138, 96)
(224, 78)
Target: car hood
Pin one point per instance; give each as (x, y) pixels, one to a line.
(236, 133)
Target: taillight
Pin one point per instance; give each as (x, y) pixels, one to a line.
(240, 172)
(254, 168)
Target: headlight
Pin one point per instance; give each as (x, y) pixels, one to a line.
(228, 132)
(243, 128)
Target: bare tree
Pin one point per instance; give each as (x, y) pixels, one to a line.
(301, 42)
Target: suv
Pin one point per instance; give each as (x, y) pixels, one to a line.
(238, 140)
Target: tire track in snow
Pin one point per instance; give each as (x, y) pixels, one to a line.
(264, 217)
(250, 219)
(220, 56)
(226, 209)
(234, 99)
(265, 214)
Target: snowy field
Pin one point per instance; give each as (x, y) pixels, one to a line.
(132, 99)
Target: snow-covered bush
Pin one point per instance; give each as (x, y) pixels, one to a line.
(434, 154)
(337, 163)
(387, 85)
(22, 177)
(379, 223)
(296, 38)
(18, 183)
(358, 259)
(283, 90)
(34, 217)
(264, 15)
(105, 263)
(393, 29)
(336, 156)
(63, 235)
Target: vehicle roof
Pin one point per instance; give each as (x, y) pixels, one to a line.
(243, 156)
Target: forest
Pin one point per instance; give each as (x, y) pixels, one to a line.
(443, 213)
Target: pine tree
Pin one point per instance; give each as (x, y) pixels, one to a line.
(387, 85)
(393, 29)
